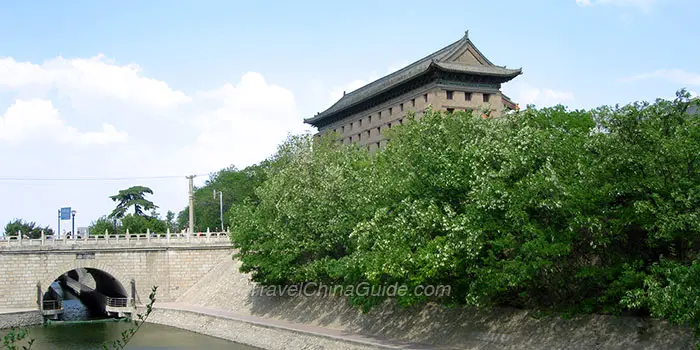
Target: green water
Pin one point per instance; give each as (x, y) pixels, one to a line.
(89, 336)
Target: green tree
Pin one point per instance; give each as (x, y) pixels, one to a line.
(132, 197)
(141, 224)
(237, 187)
(305, 211)
(586, 211)
(170, 222)
(30, 229)
(102, 225)
(182, 219)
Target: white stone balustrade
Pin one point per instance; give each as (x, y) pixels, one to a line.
(156, 239)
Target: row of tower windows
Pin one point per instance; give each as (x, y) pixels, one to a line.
(358, 123)
(467, 96)
(367, 133)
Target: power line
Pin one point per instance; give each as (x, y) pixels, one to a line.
(17, 178)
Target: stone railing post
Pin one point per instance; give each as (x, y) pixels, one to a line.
(107, 235)
(85, 237)
(19, 237)
(148, 235)
(43, 237)
(128, 235)
(208, 233)
(167, 235)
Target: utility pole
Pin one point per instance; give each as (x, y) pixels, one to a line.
(191, 178)
(221, 208)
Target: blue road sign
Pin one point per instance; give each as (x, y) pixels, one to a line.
(65, 213)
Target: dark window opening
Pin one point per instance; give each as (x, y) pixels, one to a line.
(449, 94)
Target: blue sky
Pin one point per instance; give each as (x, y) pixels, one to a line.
(143, 89)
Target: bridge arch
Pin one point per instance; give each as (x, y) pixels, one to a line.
(55, 273)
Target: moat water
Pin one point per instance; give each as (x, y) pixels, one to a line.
(79, 329)
(91, 336)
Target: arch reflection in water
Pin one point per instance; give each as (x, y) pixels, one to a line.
(84, 294)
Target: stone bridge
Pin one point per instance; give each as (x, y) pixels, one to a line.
(118, 266)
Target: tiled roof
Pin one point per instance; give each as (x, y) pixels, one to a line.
(443, 59)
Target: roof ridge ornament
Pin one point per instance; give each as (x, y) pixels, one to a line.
(466, 34)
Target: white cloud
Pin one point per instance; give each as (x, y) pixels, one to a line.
(84, 79)
(242, 124)
(675, 76)
(95, 101)
(525, 94)
(644, 5)
(37, 118)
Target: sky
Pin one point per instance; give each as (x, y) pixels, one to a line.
(98, 96)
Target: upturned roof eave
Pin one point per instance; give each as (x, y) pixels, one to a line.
(507, 73)
(413, 70)
(419, 70)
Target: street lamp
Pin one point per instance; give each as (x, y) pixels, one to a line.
(72, 231)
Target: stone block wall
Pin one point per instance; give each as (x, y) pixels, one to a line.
(172, 269)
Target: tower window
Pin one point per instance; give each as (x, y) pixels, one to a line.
(425, 98)
(486, 97)
(467, 96)
(390, 111)
(401, 106)
(449, 94)
(413, 102)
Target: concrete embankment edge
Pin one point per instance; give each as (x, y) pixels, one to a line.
(260, 334)
(20, 318)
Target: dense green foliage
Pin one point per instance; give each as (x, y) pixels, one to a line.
(236, 186)
(133, 223)
(587, 211)
(101, 226)
(28, 229)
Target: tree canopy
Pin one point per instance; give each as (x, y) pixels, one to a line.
(587, 211)
(30, 229)
(134, 196)
(237, 186)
